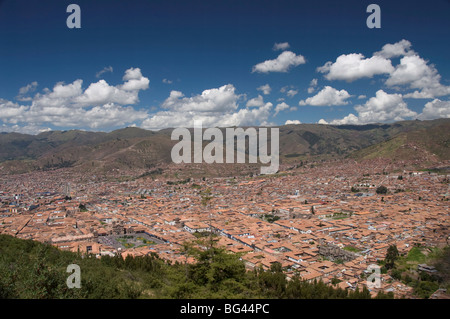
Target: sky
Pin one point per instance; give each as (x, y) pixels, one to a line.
(160, 64)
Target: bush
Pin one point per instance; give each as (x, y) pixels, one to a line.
(381, 190)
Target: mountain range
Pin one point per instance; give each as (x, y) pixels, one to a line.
(143, 150)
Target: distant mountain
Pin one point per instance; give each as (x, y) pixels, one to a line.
(426, 144)
(135, 148)
(366, 141)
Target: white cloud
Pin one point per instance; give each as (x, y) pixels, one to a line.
(266, 89)
(28, 88)
(220, 99)
(281, 46)
(167, 81)
(64, 91)
(24, 129)
(23, 91)
(327, 96)
(435, 109)
(322, 121)
(242, 117)
(362, 96)
(400, 48)
(292, 122)
(292, 93)
(281, 107)
(132, 74)
(415, 73)
(383, 107)
(312, 86)
(10, 112)
(282, 63)
(134, 80)
(350, 67)
(349, 119)
(214, 107)
(101, 92)
(289, 90)
(412, 72)
(257, 101)
(112, 115)
(66, 105)
(105, 69)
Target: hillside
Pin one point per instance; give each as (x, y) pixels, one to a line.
(134, 148)
(429, 145)
(33, 270)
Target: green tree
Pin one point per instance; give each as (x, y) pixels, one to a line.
(391, 256)
(273, 281)
(381, 190)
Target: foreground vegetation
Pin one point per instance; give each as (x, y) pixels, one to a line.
(405, 268)
(29, 269)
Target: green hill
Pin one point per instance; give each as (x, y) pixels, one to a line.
(33, 270)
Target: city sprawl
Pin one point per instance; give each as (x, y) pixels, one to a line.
(320, 221)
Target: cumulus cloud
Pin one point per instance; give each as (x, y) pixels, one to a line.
(282, 63)
(23, 91)
(281, 46)
(435, 109)
(24, 129)
(166, 81)
(214, 107)
(10, 111)
(383, 107)
(392, 50)
(412, 70)
(351, 119)
(101, 92)
(312, 86)
(327, 96)
(292, 93)
(28, 88)
(281, 107)
(213, 100)
(101, 105)
(134, 80)
(415, 73)
(266, 89)
(289, 90)
(257, 101)
(292, 122)
(350, 67)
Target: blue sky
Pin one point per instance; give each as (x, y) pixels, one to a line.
(157, 64)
